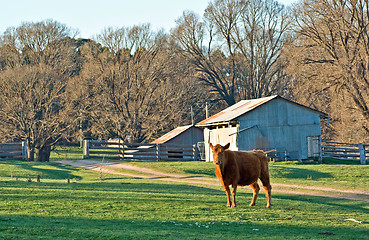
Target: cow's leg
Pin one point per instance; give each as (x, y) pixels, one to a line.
(268, 190)
(255, 188)
(228, 192)
(234, 189)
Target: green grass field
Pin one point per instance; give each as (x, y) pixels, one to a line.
(130, 208)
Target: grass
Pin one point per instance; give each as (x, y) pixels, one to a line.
(66, 152)
(347, 175)
(354, 177)
(342, 161)
(129, 208)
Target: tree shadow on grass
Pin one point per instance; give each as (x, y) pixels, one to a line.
(54, 227)
(137, 190)
(159, 191)
(327, 202)
(49, 170)
(135, 209)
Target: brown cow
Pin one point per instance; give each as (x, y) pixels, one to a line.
(241, 168)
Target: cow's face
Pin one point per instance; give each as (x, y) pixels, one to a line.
(218, 153)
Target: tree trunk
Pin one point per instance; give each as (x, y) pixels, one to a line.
(43, 154)
(30, 154)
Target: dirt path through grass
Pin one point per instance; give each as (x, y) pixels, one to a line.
(147, 173)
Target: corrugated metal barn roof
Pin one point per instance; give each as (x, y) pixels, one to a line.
(175, 132)
(244, 106)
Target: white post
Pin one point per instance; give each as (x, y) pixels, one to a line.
(86, 149)
(320, 159)
(362, 154)
(195, 152)
(157, 152)
(122, 149)
(24, 150)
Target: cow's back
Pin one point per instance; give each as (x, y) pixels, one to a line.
(249, 165)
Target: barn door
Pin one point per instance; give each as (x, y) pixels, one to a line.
(220, 136)
(313, 146)
(223, 136)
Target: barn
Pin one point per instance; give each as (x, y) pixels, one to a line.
(290, 129)
(182, 140)
(184, 135)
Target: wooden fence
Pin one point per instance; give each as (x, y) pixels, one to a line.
(345, 151)
(16, 150)
(139, 151)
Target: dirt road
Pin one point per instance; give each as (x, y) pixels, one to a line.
(146, 173)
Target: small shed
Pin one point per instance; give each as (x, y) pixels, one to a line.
(290, 129)
(185, 135)
(183, 140)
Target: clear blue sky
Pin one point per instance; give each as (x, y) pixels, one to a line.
(91, 16)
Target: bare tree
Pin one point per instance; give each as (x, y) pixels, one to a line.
(32, 102)
(236, 50)
(38, 61)
(133, 86)
(331, 58)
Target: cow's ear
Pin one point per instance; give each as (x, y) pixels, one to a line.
(211, 146)
(227, 146)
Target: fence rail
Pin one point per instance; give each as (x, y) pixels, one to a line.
(345, 151)
(13, 150)
(138, 151)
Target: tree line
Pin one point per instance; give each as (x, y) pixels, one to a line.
(136, 83)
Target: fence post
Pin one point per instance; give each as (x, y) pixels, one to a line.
(86, 149)
(157, 152)
(195, 152)
(122, 150)
(24, 150)
(362, 154)
(320, 159)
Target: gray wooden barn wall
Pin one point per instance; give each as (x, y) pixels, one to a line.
(189, 137)
(279, 125)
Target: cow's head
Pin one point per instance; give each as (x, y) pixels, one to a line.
(218, 153)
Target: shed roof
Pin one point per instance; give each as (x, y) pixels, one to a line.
(175, 132)
(244, 106)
